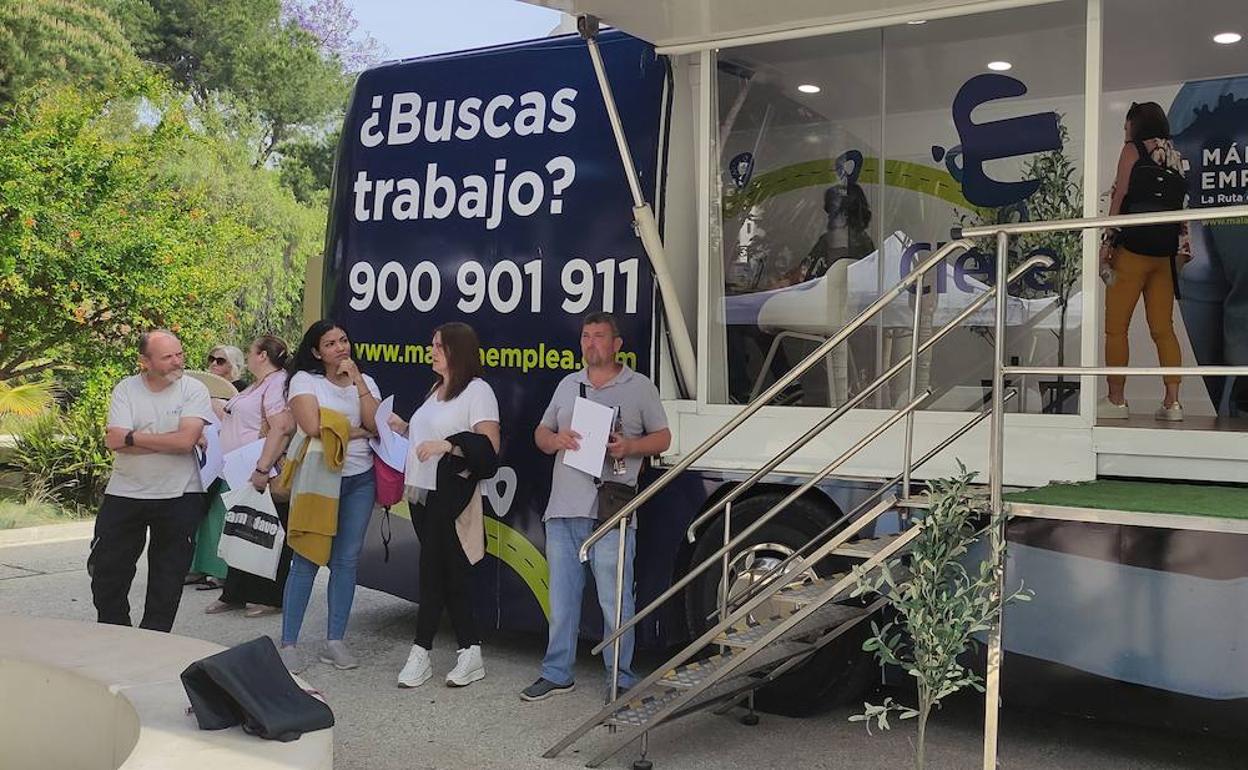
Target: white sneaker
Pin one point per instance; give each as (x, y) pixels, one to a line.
(1172, 413)
(416, 671)
(468, 669)
(1108, 410)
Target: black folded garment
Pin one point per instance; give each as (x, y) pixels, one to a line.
(249, 685)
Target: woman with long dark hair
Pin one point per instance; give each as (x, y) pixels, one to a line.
(1144, 261)
(325, 382)
(456, 428)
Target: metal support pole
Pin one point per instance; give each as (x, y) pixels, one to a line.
(911, 387)
(619, 608)
(723, 578)
(643, 217)
(996, 463)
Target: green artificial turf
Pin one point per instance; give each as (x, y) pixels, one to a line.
(1143, 497)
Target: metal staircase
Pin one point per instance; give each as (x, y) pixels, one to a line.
(775, 624)
(749, 646)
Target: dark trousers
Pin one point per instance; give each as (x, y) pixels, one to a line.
(445, 580)
(120, 533)
(246, 588)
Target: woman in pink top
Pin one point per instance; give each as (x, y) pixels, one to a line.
(261, 408)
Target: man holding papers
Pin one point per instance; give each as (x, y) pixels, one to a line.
(611, 449)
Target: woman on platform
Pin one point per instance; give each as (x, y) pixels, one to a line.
(1144, 261)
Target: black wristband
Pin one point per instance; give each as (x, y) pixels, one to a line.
(261, 471)
(129, 438)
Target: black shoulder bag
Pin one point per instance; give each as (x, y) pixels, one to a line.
(612, 495)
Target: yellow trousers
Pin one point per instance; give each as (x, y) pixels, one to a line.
(1136, 274)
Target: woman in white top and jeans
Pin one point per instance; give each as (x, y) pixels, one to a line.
(323, 374)
(459, 402)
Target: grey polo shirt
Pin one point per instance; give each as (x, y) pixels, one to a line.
(574, 493)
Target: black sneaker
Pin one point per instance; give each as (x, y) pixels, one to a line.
(543, 689)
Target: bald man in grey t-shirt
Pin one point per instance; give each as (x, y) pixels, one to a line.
(571, 513)
(155, 419)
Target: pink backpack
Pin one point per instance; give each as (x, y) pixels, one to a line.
(389, 483)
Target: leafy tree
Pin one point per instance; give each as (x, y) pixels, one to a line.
(335, 28)
(109, 226)
(66, 41)
(245, 48)
(307, 167)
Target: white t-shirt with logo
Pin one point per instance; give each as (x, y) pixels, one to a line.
(158, 475)
(345, 399)
(436, 419)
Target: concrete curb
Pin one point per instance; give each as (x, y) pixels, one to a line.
(48, 533)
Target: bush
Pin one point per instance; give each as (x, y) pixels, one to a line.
(63, 459)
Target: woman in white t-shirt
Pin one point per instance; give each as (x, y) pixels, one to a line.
(459, 402)
(323, 374)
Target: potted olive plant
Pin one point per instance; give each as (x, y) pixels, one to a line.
(940, 600)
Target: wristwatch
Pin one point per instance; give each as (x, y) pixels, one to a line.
(129, 439)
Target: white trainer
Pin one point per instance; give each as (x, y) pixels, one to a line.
(1172, 413)
(417, 670)
(468, 669)
(1108, 410)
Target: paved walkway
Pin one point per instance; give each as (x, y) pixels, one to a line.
(487, 726)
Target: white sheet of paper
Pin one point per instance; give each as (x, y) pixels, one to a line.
(210, 459)
(389, 446)
(392, 450)
(593, 423)
(240, 463)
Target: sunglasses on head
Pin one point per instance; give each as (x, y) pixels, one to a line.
(218, 360)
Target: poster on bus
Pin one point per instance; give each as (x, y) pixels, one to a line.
(486, 187)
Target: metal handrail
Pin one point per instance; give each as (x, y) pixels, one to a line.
(1092, 223)
(726, 548)
(996, 455)
(1130, 371)
(866, 504)
(776, 388)
(1039, 260)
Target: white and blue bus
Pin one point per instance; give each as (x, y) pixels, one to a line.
(798, 166)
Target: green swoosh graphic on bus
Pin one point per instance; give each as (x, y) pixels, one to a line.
(900, 174)
(514, 549)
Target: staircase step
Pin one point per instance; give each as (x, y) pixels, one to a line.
(866, 548)
(804, 594)
(694, 673)
(638, 711)
(826, 617)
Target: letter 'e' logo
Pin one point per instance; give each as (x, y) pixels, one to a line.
(982, 142)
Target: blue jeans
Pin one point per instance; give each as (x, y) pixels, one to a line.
(355, 507)
(567, 588)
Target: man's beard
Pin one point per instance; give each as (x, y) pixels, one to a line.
(173, 376)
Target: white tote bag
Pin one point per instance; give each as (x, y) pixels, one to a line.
(252, 537)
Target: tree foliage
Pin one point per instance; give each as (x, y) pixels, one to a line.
(246, 48)
(66, 41)
(109, 226)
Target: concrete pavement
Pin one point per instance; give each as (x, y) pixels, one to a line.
(487, 726)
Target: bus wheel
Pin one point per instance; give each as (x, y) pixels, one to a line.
(840, 672)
